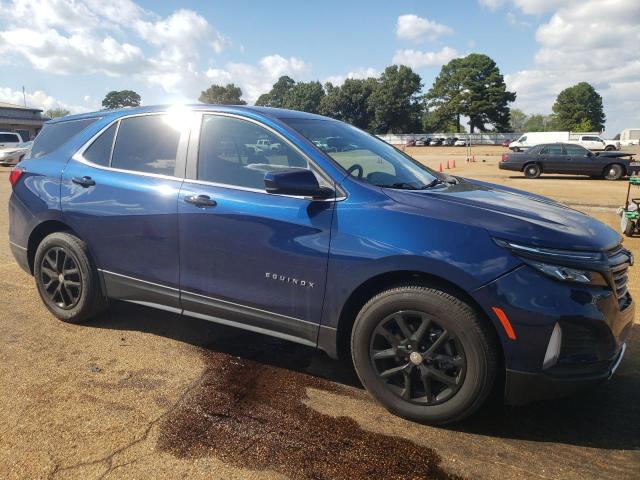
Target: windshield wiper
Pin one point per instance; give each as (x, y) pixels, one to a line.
(432, 183)
(401, 185)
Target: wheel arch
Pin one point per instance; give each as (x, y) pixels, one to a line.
(532, 162)
(384, 281)
(39, 233)
(610, 164)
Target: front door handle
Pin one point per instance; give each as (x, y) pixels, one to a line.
(84, 182)
(202, 201)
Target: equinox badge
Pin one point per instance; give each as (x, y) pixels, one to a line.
(291, 280)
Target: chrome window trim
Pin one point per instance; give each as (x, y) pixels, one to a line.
(79, 155)
(192, 160)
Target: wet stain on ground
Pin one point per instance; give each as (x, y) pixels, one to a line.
(252, 415)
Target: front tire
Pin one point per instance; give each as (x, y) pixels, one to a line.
(613, 172)
(532, 170)
(627, 226)
(66, 279)
(424, 354)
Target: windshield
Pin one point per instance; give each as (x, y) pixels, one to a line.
(364, 156)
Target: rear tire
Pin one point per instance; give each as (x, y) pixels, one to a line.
(613, 172)
(424, 354)
(609, 148)
(532, 170)
(627, 226)
(66, 279)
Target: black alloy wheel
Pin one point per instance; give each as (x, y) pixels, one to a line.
(67, 279)
(61, 277)
(419, 360)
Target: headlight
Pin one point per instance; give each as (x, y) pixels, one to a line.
(4, 154)
(567, 274)
(562, 265)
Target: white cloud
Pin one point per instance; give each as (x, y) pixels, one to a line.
(116, 38)
(492, 4)
(415, 28)
(417, 59)
(358, 73)
(594, 41)
(255, 80)
(38, 99)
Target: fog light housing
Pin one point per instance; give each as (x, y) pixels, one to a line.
(553, 349)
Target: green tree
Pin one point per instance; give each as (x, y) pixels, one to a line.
(305, 97)
(56, 112)
(395, 101)
(121, 99)
(224, 95)
(275, 98)
(472, 86)
(537, 123)
(578, 107)
(517, 120)
(349, 102)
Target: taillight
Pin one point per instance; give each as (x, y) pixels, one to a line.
(15, 175)
(505, 157)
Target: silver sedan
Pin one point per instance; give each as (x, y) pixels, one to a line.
(10, 156)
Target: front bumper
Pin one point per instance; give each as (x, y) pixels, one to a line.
(524, 387)
(595, 325)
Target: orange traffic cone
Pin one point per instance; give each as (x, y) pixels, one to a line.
(454, 163)
(473, 157)
(440, 167)
(448, 168)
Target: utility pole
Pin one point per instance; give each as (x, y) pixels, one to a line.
(24, 97)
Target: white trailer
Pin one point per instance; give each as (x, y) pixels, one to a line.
(630, 136)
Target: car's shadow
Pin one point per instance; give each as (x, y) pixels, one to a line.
(606, 417)
(561, 177)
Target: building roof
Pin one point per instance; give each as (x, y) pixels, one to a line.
(13, 106)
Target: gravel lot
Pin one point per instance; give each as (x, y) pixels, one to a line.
(140, 393)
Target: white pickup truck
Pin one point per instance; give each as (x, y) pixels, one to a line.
(10, 139)
(591, 141)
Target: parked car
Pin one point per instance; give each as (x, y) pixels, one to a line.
(436, 142)
(410, 142)
(422, 141)
(570, 159)
(590, 141)
(461, 142)
(364, 253)
(506, 143)
(10, 139)
(12, 155)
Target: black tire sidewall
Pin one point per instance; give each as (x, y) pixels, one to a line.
(453, 316)
(91, 298)
(532, 165)
(617, 176)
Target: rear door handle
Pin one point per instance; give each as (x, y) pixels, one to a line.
(202, 201)
(84, 181)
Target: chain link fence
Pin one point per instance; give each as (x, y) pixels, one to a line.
(474, 138)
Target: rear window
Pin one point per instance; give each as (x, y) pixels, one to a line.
(9, 137)
(54, 135)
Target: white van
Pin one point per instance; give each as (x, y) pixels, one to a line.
(592, 141)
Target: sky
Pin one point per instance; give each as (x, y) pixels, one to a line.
(70, 53)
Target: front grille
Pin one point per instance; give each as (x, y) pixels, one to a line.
(619, 259)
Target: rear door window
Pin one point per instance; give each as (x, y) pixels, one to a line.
(552, 150)
(99, 152)
(146, 144)
(54, 135)
(576, 150)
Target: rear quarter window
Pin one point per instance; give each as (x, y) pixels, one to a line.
(54, 135)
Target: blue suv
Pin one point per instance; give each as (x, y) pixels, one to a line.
(440, 288)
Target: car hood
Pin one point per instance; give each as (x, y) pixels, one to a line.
(511, 214)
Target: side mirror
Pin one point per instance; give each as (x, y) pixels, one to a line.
(296, 181)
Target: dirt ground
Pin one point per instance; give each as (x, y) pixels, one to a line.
(140, 393)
